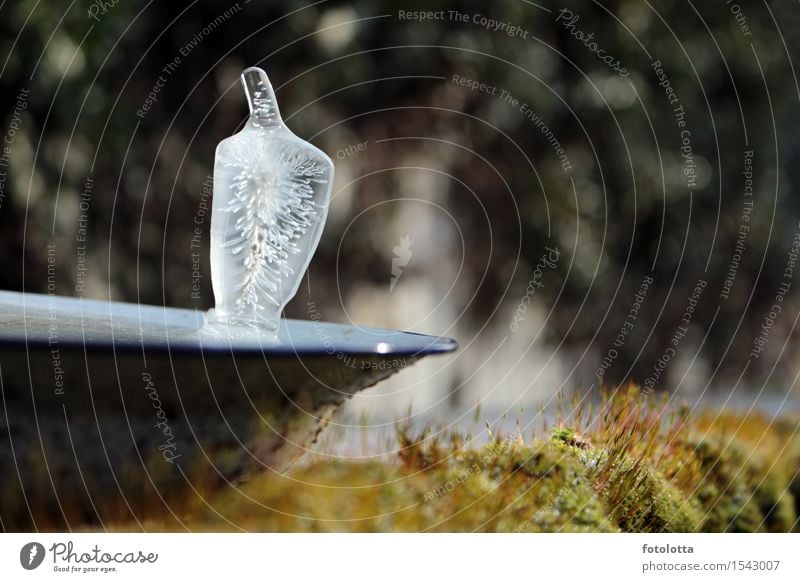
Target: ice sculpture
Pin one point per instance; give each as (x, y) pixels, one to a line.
(271, 196)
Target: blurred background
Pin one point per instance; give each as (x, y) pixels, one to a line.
(578, 201)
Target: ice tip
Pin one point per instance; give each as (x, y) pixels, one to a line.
(260, 95)
(254, 76)
(254, 79)
(256, 70)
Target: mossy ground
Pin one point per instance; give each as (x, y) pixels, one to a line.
(633, 464)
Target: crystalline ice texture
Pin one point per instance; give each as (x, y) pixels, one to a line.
(271, 197)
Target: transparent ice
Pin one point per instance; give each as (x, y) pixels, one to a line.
(271, 196)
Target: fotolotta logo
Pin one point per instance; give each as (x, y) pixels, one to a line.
(31, 555)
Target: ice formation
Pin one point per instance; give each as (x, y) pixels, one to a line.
(271, 196)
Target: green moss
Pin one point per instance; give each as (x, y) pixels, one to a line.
(739, 492)
(642, 501)
(563, 434)
(556, 493)
(636, 498)
(794, 491)
(570, 437)
(772, 496)
(627, 470)
(503, 487)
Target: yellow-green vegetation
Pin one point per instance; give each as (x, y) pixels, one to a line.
(632, 463)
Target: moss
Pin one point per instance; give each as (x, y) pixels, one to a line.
(787, 432)
(643, 501)
(776, 503)
(739, 492)
(503, 487)
(563, 434)
(570, 437)
(630, 469)
(557, 494)
(635, 496)
(794, 491)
